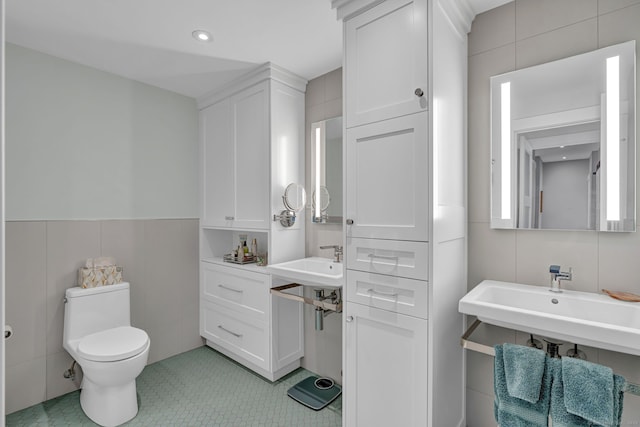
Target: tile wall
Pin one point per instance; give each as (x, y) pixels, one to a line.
(160, 260)
(323, 349)
(514, 36)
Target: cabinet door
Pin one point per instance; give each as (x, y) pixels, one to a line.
(385, 368)
(387, 179)
(386, 61)
(218, 166)
(250, 109)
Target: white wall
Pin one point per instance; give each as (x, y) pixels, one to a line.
(517, 35)
(86, 144)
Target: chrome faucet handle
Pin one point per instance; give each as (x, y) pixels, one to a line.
(337, 251)
(557, 275)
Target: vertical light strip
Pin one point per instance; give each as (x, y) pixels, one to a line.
(318, 144)
(613, 139)
(505, 149)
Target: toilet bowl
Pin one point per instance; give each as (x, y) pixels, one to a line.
(111, 353)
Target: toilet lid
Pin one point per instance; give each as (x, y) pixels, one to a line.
(113, 344)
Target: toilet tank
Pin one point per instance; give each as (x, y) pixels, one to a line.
(91, 310)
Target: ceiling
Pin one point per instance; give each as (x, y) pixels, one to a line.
(150, 40)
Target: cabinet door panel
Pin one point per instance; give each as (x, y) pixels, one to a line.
(386, 61)
(251, 133)
(387, 179)
(386, 368)
(218, 172)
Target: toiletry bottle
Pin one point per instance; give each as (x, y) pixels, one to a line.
(254, 247)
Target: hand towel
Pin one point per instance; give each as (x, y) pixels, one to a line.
(576, 400)
(511, 411)
(524, 369)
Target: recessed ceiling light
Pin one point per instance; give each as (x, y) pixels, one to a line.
(564, 157)
(202, 35)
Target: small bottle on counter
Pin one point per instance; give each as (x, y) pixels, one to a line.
(254, 247)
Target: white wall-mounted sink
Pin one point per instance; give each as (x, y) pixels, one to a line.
(575, 317)
(312, 271)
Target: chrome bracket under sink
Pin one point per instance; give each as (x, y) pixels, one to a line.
(323, 304)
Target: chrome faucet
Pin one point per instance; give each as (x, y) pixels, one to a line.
(337, 251)
(557, 276)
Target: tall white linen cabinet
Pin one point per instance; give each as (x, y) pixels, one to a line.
(405, 87)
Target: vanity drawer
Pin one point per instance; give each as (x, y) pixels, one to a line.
(237, 289)
(392, 257)
(398, 294)
(244, 337)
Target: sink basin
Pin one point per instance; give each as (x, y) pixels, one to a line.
(575, 317)
(312, 271)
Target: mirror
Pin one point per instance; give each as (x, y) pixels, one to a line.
(563, 143)
(326, 171)
(294, 200)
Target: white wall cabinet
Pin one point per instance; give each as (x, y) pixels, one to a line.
(252, 147)
(391, 39)
(235, 143)
(386, 357)
(405, 210)
(387, 179)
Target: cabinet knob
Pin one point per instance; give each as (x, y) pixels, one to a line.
(349, 222)
(349, 319)
(419, 92)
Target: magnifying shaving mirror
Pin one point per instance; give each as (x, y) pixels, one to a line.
(294, 200)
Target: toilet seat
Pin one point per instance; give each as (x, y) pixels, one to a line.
(113, 344)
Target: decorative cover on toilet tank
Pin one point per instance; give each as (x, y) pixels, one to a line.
(100, 271)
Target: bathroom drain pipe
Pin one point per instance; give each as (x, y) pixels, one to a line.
(319, 311)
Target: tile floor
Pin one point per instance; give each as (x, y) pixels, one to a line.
(198, 388)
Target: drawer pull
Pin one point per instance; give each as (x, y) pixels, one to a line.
(386, 294)
(229, 218)
(392, 258)
(231, 289)
(229, 332)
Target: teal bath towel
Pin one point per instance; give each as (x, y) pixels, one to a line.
(585, 394)
(523, 369)
(512, 411)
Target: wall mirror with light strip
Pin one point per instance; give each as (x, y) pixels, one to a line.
(563, 145)
(326, 171)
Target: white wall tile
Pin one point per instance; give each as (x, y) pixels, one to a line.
(57, 384)
(540, 16)
(124, 240)
(25, 384)
(538, 249)
(69, 244)
(479, 409)
(606, 6)
(492, 254)
(26, 291)
(494, 28)
(561, 43)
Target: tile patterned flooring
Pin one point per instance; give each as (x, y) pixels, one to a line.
(198, 388)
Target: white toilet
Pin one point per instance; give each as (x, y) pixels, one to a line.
(99, 336)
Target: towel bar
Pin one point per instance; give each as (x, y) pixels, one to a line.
(630, 388)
